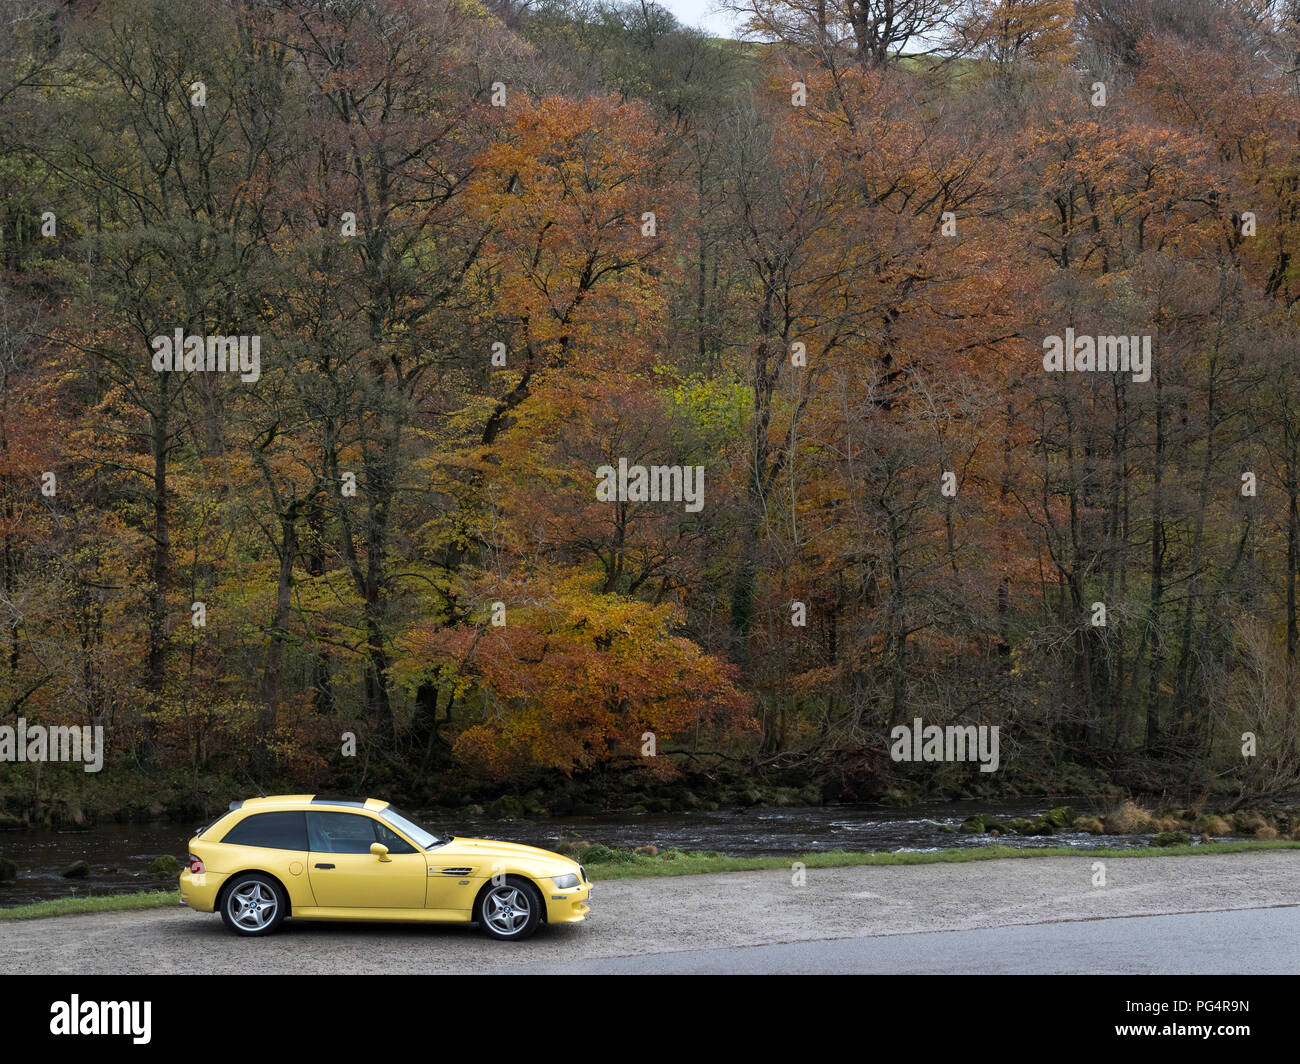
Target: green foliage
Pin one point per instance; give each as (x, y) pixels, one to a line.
(348, 521)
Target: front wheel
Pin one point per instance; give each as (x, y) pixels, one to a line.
(253, 905)
(511, 910)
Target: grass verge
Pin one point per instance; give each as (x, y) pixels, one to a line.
(100, 903)
(678, 863)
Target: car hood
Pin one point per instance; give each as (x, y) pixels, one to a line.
(490, 849)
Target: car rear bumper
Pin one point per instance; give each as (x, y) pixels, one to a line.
(199, 891)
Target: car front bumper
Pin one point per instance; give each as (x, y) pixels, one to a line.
(568, 906)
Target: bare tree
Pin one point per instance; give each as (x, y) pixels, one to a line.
(872, 31)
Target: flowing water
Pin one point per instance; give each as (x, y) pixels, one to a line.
(129, 849)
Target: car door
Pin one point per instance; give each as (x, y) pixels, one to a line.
(346, 875)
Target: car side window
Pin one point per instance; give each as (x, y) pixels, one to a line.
(390, 838)
(274, 831)
(351, 833)
(340, 832)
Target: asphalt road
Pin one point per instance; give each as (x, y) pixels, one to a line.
(1044, 914)
(1237, 942)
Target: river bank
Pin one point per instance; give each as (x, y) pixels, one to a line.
(116, 858)
(629, 864)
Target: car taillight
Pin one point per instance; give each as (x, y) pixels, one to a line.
(196, 865)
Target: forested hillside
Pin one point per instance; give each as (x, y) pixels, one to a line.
(434, 400)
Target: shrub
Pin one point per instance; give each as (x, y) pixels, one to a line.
(598, 853)
(1128, 819)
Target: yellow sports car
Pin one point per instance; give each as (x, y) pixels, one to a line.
(317, 858)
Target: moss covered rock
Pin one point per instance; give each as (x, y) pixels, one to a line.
(76, 870)
(8, 870)
(507, 807)
(167, 865)
(1060, 818)
(1172, 838)
(981, 823)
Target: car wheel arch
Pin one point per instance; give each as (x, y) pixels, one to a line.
(487, 885)
(233, 878)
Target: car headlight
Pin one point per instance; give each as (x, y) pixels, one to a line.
(565, 882)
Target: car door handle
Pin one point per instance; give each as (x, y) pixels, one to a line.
(324, 866)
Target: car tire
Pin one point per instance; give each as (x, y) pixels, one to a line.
(510, 911)
(253, 904)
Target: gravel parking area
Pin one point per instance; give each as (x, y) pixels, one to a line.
(637, 917)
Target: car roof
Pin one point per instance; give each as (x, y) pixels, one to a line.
(276, 802)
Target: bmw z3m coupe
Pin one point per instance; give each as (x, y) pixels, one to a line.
(316, 858)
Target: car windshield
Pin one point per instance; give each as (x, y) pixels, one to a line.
(426, 840)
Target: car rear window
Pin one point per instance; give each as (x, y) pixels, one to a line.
(274, 831)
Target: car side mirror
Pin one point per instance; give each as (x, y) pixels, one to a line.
(380, 851)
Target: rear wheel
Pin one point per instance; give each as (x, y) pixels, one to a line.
(253, 905)
(511, 910)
